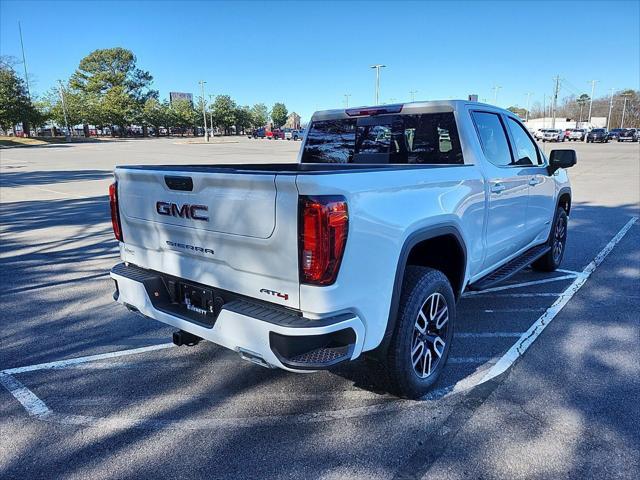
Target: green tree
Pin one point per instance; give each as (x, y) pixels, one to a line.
(521, 112)
(279, 114)
(104, 69)
(156, 114)
(224, 109)
(243, 118)
(15, 105)
(116, 87)
(183, 115)
(582, 100)
(259, 115)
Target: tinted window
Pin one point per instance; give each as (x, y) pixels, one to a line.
(330, 141)
(396, 139)
(526, 152)
(493, 138)
(598, 130)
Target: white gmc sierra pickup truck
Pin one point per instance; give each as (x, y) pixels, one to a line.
(364, 245)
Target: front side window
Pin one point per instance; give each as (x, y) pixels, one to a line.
(430, 138)
(493, 138)
(526, 152)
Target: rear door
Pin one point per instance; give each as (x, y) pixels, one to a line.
(508, 186)
(233, 230)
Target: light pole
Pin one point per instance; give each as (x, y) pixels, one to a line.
(610, 108)
(346, 100)
(526, 112)
(412, 93)
(495, 93)
(378, 66)
(624, 108)
(211, 113)
(593, 87)
(64, 112)
(204, 112)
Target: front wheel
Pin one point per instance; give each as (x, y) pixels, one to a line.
(550, 261)
(423, 333)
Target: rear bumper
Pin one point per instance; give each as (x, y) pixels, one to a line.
(269, 336)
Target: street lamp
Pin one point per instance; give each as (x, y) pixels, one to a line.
(346, 99)
(412, 93)
(204, 112)
(526, 112)
(378, 66)
(624, 108)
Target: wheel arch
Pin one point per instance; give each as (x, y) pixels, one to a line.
(441, 247)
(564, 199)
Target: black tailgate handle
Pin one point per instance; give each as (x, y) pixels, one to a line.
(179, 183)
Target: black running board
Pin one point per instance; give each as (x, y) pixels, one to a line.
(510, 268)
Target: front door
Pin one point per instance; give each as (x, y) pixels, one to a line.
(542, 203)
(508, 185)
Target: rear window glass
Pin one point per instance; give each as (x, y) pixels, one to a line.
(385, 139)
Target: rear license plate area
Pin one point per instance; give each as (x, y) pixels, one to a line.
(195, 303)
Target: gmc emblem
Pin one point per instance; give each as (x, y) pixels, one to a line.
(184, 211)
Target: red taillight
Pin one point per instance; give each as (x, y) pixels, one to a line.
(323, 228)
(115, 214)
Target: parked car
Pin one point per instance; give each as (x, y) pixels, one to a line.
(598, 135)
(304, 266)
(567, 132)
(577, 135)
(257, 133)
(538, 134)
(553, 135)
(614, 133)
(277, 134)
(292, 134)
(628, 134)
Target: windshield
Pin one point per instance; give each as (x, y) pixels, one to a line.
(598, 130)
(385, 139)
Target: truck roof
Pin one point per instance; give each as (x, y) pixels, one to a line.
(432, 106)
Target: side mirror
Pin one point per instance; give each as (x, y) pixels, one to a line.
(562, 159)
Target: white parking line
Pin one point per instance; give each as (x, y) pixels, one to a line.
(536, 329)
(36, 407)
(89, 358)
(46, 190)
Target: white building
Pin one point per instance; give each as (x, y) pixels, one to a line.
(563, 123)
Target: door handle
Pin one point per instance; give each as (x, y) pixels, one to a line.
(534, 181)
(498, 188)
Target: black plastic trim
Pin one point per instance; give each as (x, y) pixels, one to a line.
(411, 241)
(175, 182)
(288, 349)
(233, 302)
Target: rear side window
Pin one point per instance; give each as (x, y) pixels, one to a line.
(385, 139)
(493, 138)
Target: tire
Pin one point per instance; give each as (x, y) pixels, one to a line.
(426, 296)
(557, 241)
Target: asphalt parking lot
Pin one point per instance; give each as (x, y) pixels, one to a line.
(93, 391)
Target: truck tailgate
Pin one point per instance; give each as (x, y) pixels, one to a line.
(234, 231)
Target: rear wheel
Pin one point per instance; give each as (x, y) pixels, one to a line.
(421, 341)
(557, 241)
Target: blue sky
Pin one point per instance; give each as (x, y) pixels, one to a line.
(309, 54)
